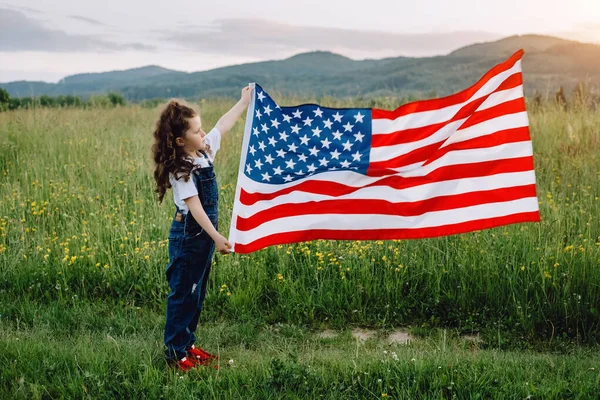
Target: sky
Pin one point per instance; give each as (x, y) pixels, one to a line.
(47, 40)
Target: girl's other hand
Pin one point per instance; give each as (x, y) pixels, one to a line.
(223, 245)
(246, 92)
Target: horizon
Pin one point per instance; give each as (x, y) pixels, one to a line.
(47, 43)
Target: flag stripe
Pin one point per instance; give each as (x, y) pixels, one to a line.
(365, 206)
(375, 221)
(387, 234)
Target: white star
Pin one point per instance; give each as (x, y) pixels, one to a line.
(280, 153)
(348, 127)
(257, 163)
(323, 161)
(359, 117)
(345, 164)
(265, 128)
(283, 136)
(311, 168)
(295, 129)
(318, 112)
(300, 172)
(337, 117)
(328, 123)
(307, 121)
(292, 147)
(255, 131)
(287, 118)
(272, 141)
(297, 113)
(302, 157)
(317, 132)
(252, 150)
(261, 145)
(335, 154)
(266, 176)
(314, 151)
(356, 156)
(325, 143)
(269, 159)
(277, 106)
(347, 145)
(277, 171)
(304, 140)
(260, 95)
(258, 114)
(337, 135)
(248, 169)
(290, 164)
(267, 110)
(359, 136)
(287, 178)
(275, 123)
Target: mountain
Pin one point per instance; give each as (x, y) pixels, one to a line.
(548, 63)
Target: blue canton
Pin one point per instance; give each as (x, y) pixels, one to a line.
(290, 143)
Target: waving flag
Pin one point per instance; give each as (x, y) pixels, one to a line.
(429, 168)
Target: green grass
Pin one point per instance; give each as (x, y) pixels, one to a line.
(102, 350)
(79, 224)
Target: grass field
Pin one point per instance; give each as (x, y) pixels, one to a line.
(82, 286)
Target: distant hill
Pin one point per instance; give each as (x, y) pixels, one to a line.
(548, 63)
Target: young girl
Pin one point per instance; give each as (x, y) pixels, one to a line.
(184, 156)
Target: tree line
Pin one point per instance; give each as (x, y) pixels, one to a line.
(111, 99)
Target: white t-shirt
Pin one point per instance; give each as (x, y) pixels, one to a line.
(182, 189)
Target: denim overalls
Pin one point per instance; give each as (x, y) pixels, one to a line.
(190, 254)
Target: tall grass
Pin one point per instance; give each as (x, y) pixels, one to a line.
(79, 222)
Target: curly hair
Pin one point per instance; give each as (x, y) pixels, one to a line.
(168, 157)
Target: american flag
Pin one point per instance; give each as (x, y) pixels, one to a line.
(428, 168)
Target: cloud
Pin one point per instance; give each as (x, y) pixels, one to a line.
(21, 33)
(88, 20)
(264, 39)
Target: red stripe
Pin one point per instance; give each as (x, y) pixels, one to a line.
(415, 134)
(509, 107)
(368, 206)
(432, 152)
(460, 171)
(385, 234)
(461, 97)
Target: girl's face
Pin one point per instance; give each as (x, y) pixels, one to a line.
(194, 136)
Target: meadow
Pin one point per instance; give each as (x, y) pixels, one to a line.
(83, 251)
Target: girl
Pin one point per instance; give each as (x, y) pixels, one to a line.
(184, 156)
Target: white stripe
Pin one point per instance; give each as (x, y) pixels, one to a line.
(376, 221)
(426, 118)
(410, 194)
(509, 121)
(501, 97)
(349, 178)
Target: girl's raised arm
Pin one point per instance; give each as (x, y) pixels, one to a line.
(229, 119)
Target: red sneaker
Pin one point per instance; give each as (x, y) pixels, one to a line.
(184, 364)
(200, 354)
(202, 357)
